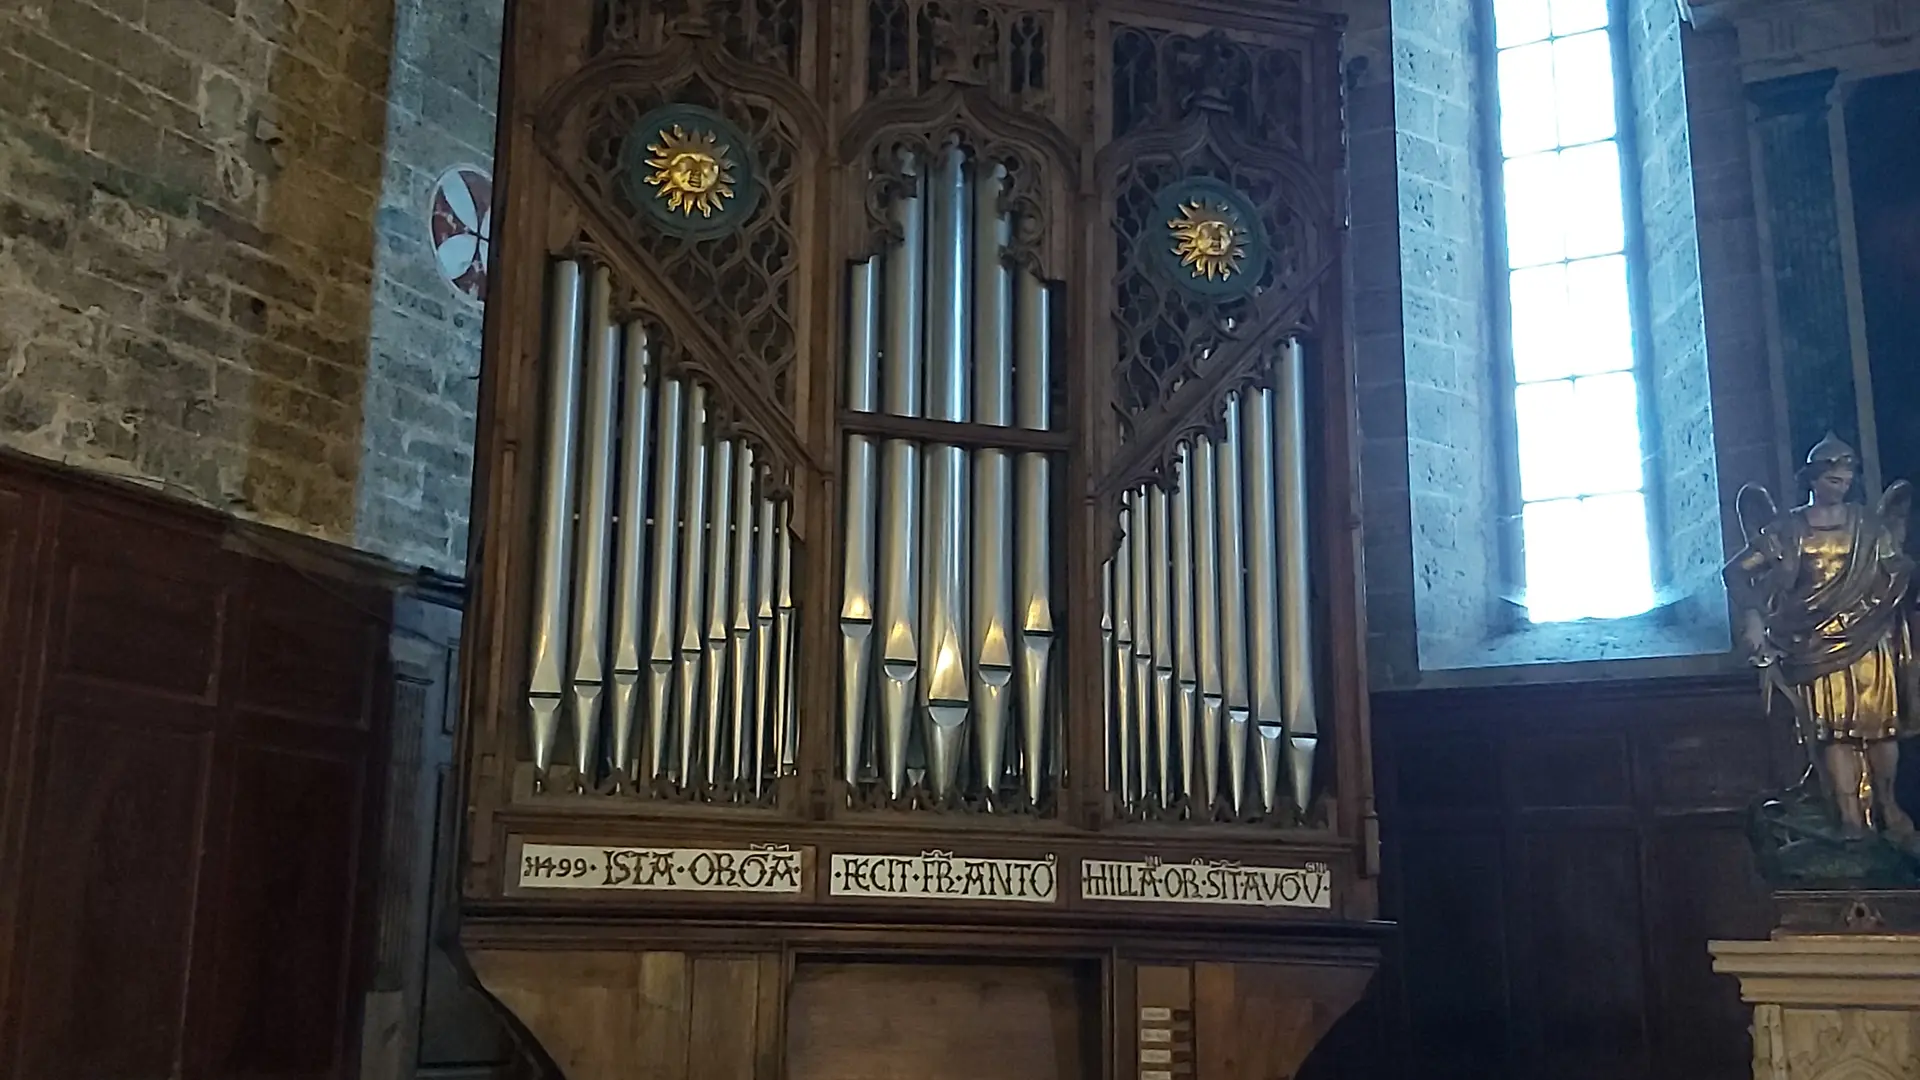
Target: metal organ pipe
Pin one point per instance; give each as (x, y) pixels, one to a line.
(898, 504)
(593, 531)
(857, 486)
(655, 573)
(740, 643)
(1161, 569)
(688, 711)
(551, 588)
(1225, 575)
(992, 554)
(719, 580)
(663, 646)
(1233, 616)
(1263, 594)
(1033, 555)
(1186, 669)
(630, 547)
(945, 692)
(1298, 709)
(1206, 633)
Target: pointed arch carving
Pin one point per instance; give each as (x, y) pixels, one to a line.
(1043, 169)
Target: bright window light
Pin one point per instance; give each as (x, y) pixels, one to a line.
(1576, 398)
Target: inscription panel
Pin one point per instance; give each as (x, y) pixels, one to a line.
(761, 870)
(1230, 884)
(941, 875)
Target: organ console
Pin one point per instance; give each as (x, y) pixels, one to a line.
(916, 586)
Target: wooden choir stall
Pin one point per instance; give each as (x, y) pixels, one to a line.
(916, 627)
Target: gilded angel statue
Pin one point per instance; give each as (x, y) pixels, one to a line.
(1824, 592)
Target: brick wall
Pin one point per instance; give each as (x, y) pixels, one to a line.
(193, 203)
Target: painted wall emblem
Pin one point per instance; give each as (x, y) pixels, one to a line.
(1214, 243)
(460, 223)
(691, 171)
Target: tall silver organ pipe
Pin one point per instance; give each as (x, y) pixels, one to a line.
(1033, 529)
(1160, 571)
(661, 598)
(689, 711)
(1120, 572)
(663, 648)
(552, 592)
(992, 551)
(857, 486)
(1296, 640)
(946, 611)
(1263, 594)
(1206, 631)
(945, 689)
(1140, 553)
(1233, 612)
(593, 533)
(629, 586)
(1186, 669)
(740, 641)
(1211, 599)
(899, 501)
(784, 714)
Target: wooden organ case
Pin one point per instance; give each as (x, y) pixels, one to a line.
(916, 623)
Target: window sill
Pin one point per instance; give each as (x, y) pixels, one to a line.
(1651, 645)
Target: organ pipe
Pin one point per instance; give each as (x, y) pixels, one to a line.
(899, 497)
(719, 581)
(662, 570)
(689, 711)
(1120, 570)
(1298, 709)
(1233, 617)
(1206, 632)
(664, 648)
(1033, 552)
(1225, 620)
(628, 585)
(944, 689)
(857, 598)
(785, 714)
(1160, 571)
(740, 640)
(992, 552)
(1263, 593)
(551, 587)
(1186, 669)
(593, 533)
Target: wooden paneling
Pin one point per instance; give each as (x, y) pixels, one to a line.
(854, 1021)
(643, 1015)
(1258, 1021)
(190, 734)
(1558, 857)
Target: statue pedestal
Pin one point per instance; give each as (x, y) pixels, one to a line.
(1830, 1006)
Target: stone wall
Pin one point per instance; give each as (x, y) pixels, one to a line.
(194, 198)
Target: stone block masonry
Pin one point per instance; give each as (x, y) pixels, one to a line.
(194, 198)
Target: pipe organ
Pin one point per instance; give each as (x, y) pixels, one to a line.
(916, 556)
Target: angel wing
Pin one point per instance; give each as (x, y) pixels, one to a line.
(1757, 510)
(1895, 504)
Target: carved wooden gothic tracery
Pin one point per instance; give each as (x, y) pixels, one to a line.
(1211, 126)
(723, 269)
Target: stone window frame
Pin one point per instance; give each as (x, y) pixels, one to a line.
(1463, 624)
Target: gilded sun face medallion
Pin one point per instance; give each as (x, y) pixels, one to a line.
(692, 171)
(1207, 240)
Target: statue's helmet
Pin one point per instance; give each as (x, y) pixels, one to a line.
(1832, 450)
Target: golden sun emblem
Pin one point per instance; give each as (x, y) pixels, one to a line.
(1206, 239)
(691, 170)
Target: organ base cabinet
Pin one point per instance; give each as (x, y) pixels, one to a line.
(916, 614)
